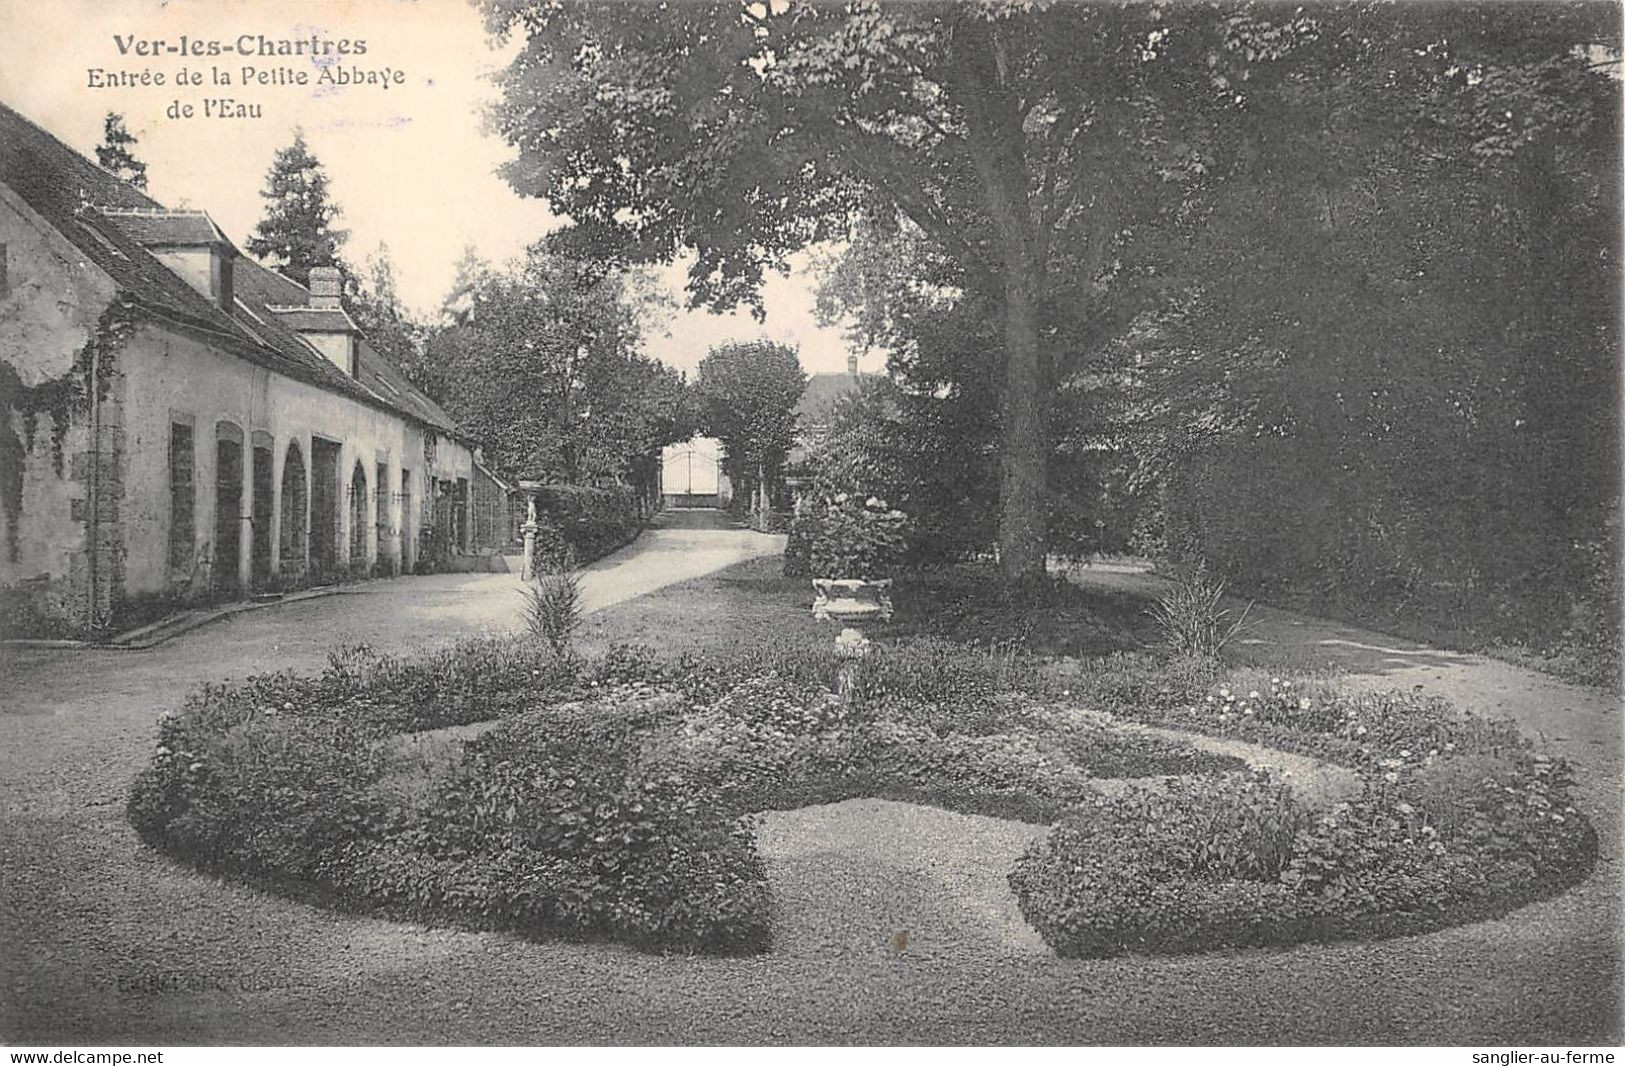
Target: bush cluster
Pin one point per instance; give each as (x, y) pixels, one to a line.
(846, 537)
(539, 824)
(771, 742)
(1354, 729)
(1460, 819)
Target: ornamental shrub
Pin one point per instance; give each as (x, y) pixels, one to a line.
(545, 823)
(1192, 617)
(260, 793)
(553, 608)
(1460, 820)
(656, 860)
(844, 537)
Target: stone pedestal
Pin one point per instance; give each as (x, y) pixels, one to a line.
(530, 528)
(851, 646)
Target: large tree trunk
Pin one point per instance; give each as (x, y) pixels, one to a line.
(1024, 431)
(1024, 397)
(999, 153)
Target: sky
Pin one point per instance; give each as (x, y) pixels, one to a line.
(407, 157)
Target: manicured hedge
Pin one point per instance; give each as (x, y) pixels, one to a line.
(535, 825)
(1181, 871)
(1356, 729)
(588, 522)
(771, 743)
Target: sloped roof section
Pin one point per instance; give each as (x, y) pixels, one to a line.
(168, 229)
(382, 376)
(109, 221)
(817, 403)
(315, 319)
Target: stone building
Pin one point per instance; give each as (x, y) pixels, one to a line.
(692, 474)
(183, 423)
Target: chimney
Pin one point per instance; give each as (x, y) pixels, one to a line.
(325, 286)
(852, 365)
(223, 278)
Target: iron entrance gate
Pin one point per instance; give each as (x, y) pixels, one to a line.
(691, 474)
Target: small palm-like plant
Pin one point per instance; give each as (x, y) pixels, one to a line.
(1193, 619)
(553, 607)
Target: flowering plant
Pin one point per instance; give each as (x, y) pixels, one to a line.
(845, 537)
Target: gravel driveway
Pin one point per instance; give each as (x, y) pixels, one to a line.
(106, 942)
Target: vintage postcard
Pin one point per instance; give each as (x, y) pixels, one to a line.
(810, 522)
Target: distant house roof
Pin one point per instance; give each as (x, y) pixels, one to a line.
(111, 222)
(823, 390)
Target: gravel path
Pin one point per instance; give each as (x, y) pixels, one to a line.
(911, 880)
(1316, 782)
(106, 942)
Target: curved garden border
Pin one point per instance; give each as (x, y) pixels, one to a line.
(606, 800)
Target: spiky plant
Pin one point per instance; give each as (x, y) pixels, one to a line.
(553, 607)
(1193, 619)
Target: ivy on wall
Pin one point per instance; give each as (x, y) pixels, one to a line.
(60, 398)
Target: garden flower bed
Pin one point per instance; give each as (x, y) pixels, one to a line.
(1459, 819)
(497, 785)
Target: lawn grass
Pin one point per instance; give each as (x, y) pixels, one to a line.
(753, 603)
(737, 607)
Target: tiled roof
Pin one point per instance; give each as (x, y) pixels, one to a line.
(316, 319)
(818, 401)
(380, 375)
(107, 219)
(173, 228)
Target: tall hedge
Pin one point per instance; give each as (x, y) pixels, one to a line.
(589, 522)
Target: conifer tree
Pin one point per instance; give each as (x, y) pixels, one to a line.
(297, 232)
(115, 155)
(471, 273)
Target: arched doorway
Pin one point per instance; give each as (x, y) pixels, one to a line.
(228, 506)
(295, 500)
(326, 503)
(358, 517)
(259, 569)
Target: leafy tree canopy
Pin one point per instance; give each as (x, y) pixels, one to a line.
(549, 371)
(1025, 140)
(748, 392)
(393, 333)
